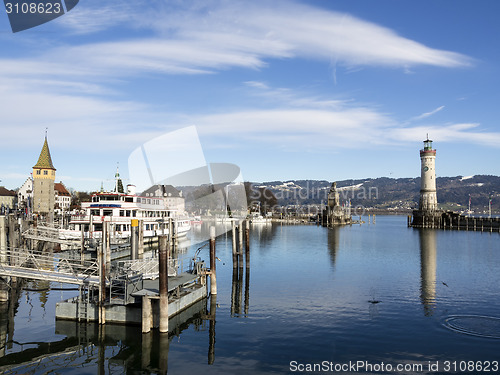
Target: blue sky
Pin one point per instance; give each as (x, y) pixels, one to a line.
(327, 90)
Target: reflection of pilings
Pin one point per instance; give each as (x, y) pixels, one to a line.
(428, 267)
(211, 330)
(101, 368)
(163, 353)
(247, 290)
(213, 272)
(236, 291)
(163, 283)
(147, 343)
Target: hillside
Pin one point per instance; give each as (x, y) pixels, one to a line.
(392, 193)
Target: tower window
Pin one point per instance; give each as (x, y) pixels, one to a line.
(38, 171)
(45, 172)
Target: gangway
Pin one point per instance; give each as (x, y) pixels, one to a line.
(35, 265)
(48, 234)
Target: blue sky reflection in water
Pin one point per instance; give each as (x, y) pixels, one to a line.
(308, 301)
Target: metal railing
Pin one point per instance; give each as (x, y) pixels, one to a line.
(148, 267)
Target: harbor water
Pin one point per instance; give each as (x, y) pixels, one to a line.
(372, 298)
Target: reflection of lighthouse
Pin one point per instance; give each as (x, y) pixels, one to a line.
(428, 266)
(427, 215)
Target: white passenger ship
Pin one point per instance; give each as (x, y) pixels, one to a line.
(120, 209)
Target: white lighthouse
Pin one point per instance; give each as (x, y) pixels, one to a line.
(428, 196)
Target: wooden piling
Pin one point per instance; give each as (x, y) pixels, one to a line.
(134, 225)
(102, 284)
(3, 240)
(147, 314)
(140, 240)
(247, 243)
(106, 241)
(213, 272)
(235, 249)
(82, 243)
(240, 238)
(163, 282)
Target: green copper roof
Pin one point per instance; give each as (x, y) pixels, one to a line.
(45, 161)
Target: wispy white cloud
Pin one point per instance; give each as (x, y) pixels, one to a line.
(189, 37)
(427, 114)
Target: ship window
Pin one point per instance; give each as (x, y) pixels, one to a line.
(94, 212)
(127, 213)
(107, 212)
(122, 213)
(129, 199)
(134, 213)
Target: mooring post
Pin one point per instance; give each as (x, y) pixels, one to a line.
(140, 240)
(240, 239)
(82, 243)
(146, 315)
(213, 272)
(235, 249)
(3, 240)
(247, 243)
(134, 225)
(170, 230)
(106, 242)
(102, 284)
(163, 276)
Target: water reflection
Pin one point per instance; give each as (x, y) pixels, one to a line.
(8, 309)
(333, 243)
(109, 348)
(428, 267)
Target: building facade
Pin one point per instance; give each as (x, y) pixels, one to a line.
(62, 197)
(7, 200)
(172, 198)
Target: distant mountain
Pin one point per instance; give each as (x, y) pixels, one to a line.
(401, 194)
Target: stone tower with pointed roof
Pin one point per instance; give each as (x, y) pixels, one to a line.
(44, 175)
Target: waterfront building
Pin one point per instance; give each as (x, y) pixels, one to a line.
(25, 196)
(44, 175)
(172, 198)
(62, 197)
(7, 199)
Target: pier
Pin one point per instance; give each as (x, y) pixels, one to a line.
(454, 221)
